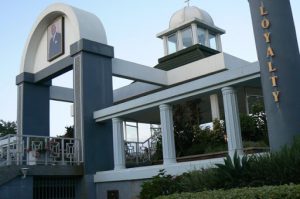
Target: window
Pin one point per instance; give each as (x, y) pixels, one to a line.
(253, 102)
(187, 37)
(212, 41)
(172, 43)
(201, 36)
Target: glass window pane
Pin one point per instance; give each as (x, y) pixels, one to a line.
(187, 37)
(212, 41)
(131, 134)
(201, 36)
(172, 43)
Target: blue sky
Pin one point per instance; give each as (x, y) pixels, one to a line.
(130, 26)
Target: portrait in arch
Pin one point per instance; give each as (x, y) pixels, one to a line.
(55, 39)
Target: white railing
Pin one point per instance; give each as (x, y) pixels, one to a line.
(141, 152)
(39, 150)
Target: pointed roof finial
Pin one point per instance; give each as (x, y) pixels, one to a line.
(188, 2)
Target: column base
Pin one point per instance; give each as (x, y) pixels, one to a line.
(169, 161)
(119, 167)
(239, 152)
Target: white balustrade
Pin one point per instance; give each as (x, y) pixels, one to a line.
(38, 150)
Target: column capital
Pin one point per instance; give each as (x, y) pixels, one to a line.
(228, 90)
(91, 47)
(165, 107)
(116, 119)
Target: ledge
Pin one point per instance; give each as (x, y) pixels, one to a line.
(150, 171)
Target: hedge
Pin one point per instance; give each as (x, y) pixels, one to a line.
(265, 192)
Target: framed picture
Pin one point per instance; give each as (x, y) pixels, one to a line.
(55, 39)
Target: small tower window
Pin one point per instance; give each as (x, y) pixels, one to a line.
(201, 36)
(212, 41)
(187, 37)
(172, 43)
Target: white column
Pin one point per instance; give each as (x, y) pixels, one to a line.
(179, 41)
(118, 144)
(233, 128)
(195, 35)
(219, 42)
(207, 38)
(167, 129)
(214, 105)
(165, 42)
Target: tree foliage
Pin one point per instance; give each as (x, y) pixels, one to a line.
(7, 128)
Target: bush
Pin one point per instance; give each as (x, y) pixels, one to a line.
(276, 168)
(265, 192)
(161, 184)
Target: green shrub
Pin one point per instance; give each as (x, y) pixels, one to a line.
(161, 184)
(199, 180)
(265, 192)
(276, 168)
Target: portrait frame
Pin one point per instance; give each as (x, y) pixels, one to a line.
(55, 39)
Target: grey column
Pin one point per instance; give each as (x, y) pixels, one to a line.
(278, 54)
(167, 129)
(118, 140)
(93, 91)
(232, 120)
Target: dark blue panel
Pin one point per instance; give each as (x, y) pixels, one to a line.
(34, 109)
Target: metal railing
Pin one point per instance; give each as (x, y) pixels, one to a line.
(141, 152)
(38, 150)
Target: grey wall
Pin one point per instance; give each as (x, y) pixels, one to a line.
(127, 189)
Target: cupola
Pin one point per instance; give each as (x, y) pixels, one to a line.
(190, 26)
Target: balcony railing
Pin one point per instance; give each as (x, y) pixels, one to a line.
(140, 152)
(39, 150)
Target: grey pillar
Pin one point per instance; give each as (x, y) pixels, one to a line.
(232, 120)
(33, 108)
(167, 129)
(278, 55)
(93, 91)
(118, 140)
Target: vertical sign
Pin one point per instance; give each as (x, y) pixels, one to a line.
(279, 59)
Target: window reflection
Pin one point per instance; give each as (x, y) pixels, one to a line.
(172, 43)
(201, 36)
(187, 37)
(212, 41)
